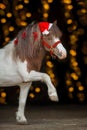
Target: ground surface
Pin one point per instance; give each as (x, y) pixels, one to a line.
(52, 117)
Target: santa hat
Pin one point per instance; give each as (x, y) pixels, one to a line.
(44, 26)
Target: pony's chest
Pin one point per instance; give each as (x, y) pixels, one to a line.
(35, 63)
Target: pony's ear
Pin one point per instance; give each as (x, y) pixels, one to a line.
(55, 22)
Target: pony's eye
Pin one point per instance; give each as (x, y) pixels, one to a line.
(49, 37)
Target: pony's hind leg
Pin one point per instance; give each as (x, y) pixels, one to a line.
(20, 117)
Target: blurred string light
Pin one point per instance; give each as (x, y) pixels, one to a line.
(50, 70)
(46, 8)
(75, 31)
(20, 14)
(3, 96)
(9, 15)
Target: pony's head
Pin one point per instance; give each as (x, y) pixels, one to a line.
(38, 37)
(51, 35)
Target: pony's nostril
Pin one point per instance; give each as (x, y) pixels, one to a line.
(60, 54)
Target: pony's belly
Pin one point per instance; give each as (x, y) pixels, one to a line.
(9, 83)
(10, 80)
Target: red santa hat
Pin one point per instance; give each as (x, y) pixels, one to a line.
(43, 26)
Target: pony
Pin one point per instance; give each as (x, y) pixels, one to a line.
(21, 60)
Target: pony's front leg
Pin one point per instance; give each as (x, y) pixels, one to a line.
(20, 117)
(35, 76)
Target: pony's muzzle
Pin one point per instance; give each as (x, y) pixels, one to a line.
(62, 54)
(60, 51)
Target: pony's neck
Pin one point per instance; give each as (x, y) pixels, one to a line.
(35, 62)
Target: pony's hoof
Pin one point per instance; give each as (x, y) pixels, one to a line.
(22, 122)
(21, 119)
(54, 97)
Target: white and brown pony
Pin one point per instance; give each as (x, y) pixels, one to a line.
(21, 60)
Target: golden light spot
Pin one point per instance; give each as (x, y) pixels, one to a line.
(71, 28)
(71, 89)
(3, 95)
(46, 6)
(73, 52)
(37, 90)
(68, 82)
(2, 6)
(7, 39)
(31, 95)
(49, 64)
(11, 28)
(70, 7)
(50, 1)
(20, 6)
(45, 15)
(28, 14)
(80, 88)
(67, 1)
(23, 23)
(83, 10)
(3, 20)
(52, 76)
(69, 21)
(75, 63)
(74, 76)
(26, 1)
(9, 15)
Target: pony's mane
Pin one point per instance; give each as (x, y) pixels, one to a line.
(29, 40)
